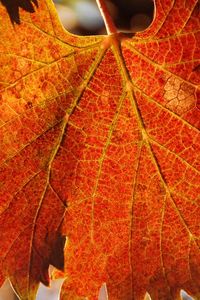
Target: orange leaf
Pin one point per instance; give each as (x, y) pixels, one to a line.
(100, 143)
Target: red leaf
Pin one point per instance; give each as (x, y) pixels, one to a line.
(100, 143)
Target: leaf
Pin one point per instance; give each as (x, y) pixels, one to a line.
(13, 8)
(100, 144)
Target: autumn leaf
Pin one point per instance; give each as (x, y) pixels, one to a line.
(100, 144)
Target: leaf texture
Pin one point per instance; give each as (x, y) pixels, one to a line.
(100, 144)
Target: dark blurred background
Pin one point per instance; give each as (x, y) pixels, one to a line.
(82, 16)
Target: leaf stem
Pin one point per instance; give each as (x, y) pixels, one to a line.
(109, 24)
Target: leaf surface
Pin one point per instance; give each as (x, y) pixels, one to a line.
(100, 143)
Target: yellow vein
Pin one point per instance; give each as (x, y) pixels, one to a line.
(102, 158)
(135, 180)
(23, 57)
(165, 18)
(146, 138)
(175, 154)
(148, 98)
(20, 190)
(97, 40)
(187, 199)
(60, 139)
(5, 162)
(143, 40)
(156, 65)
(188, 18)
(45, 190)
(161, 246)
(45, 65)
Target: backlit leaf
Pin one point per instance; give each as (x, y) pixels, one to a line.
(100, 143)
